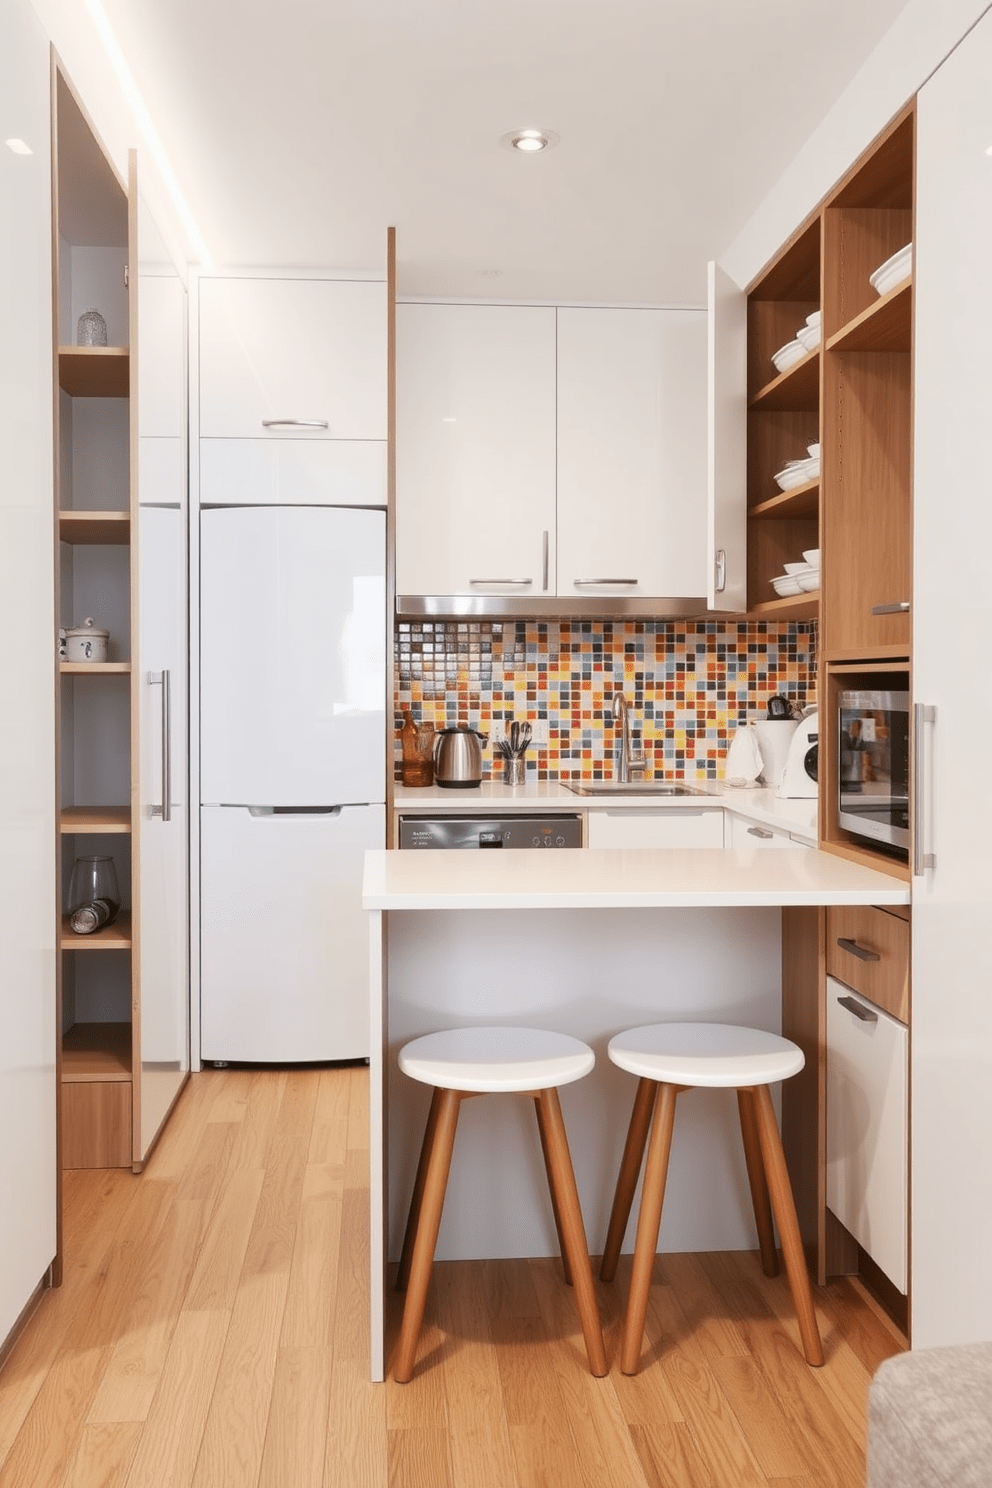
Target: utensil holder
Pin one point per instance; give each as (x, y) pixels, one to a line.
(514, 771)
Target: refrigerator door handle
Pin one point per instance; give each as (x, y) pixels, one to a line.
(295, 810)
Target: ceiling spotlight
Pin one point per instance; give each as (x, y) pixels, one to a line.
(529, 141)
(18, 147)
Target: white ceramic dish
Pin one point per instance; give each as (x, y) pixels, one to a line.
(814, 451)
(797, 473)
(809, 336)
(814, 319)
(809, 581)
(893, 271)
(786, 586)
(795, 569)
(788, 355)
(812, 556)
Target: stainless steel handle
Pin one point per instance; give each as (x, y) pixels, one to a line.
(760, 832)
(544, 561)
(584, 583)
(721, 570)
(501, 581)
(656, 813)
(295, 424)
(899, 607)
(858, 1009)
(853, 949)
(294, 811)
(923, 713)
(163, 680)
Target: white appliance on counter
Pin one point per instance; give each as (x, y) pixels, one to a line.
(292, 710)
(799, 777)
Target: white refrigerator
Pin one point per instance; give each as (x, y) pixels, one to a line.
(293, 759)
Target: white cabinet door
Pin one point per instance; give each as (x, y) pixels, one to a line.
(726, 545)
(293, 391)
(868, 1126)
(952, 901)
(669, 826)
(631, 422)
(475, 450)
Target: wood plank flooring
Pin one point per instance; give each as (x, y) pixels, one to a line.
(212, 1332)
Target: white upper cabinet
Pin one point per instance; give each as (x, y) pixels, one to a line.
(631, 452)
(475, 450)
(293, 391)
(726, 442)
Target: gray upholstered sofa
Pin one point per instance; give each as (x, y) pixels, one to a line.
(930, 1419)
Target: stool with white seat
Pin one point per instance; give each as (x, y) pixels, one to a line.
(463, 1062)
(670, 1058)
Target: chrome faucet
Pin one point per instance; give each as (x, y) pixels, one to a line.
(625, 761)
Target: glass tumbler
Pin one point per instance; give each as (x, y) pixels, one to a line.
(94, 896)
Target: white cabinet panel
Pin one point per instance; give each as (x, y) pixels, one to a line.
(475, 450)
(952, 901)
(671, 826)
(631, 424)
(293, 472)
(868, 1127)
(305, 350)
(726, 547)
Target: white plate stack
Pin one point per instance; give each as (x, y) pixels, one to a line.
(799, 578)
(807, 338)
(893, 271)
(799, 472)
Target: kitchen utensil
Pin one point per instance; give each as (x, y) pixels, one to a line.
(417, 741)
(514, 770)
(458, 757)
(774, 740)
(86, 642)
(799, 773)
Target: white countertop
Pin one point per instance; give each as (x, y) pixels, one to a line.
(761, 805)
(614, 878)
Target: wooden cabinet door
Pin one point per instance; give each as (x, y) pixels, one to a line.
(631, 423)
(475, 450)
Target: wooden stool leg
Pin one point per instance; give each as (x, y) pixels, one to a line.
(784, 1205)
(562, 1248)
(757, 1181)
(573, 1233)
(425, 1240)
(630, 1167)
(413, 1219)
(648, 1226)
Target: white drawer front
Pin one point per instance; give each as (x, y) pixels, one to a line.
(868, 1127)
(743, 833)
(674, 826)
(292, 472)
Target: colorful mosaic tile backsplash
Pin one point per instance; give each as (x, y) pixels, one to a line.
(688, 686)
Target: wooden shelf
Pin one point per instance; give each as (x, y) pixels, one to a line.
(102, 668)
(794, 607)
(801, 501)
(96, 1051)
(95, 371)
(95, 819)
(115, 937)
(885, 326)
(798, 387)
(95, 528)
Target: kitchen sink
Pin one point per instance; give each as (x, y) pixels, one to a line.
(629, 788)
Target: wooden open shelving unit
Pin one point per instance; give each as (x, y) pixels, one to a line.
(94, 371)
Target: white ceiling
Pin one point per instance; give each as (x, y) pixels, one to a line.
(299, 130)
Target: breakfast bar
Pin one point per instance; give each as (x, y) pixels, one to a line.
(476, 938)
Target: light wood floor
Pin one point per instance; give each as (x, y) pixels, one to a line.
(212, 1332)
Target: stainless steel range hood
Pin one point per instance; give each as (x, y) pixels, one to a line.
(499, 607)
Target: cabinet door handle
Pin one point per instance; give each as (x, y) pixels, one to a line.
(923, 713)
(295, 424)
(761, 832)
(853, 949)
(585, 583)
(163, 679)
(721, 570)
(898, 608)
(501, 581)
(858, 1009)
(544, 561)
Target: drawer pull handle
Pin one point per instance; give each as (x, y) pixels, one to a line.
(587, 583)
(853, 949)
(290, 423)
(858, 1009)
(501, 581)
(899, 607)
(761, 832)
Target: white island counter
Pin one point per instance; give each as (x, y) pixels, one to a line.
(494, 938)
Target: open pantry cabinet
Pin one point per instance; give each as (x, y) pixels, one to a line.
(120, 482)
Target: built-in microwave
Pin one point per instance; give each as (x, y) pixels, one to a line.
(873, 767)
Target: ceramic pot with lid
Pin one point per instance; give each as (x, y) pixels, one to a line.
(86, 642)
(458, 757)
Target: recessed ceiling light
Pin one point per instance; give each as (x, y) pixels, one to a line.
(529, 141)
(19, 147)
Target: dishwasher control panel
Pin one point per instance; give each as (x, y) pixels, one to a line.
(518, 831)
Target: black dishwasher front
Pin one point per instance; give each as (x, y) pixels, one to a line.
(518, 831)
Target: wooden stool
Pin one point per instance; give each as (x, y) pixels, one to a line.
(462, 1062)
(670, 1058)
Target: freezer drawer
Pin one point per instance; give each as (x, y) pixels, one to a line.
(284, 938)
(868, 1127)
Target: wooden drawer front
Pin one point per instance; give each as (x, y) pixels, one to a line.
(96, 1124)
(884, 980)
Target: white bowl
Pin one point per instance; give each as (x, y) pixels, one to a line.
(788, 355)
(786, 585)
(812, 556)
(792, 475)
(814, 319)
(809, 336)
(809, 581)
(814, 451)
(893, 271)
(795, 569)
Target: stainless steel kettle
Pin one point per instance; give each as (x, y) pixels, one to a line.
(458, 757)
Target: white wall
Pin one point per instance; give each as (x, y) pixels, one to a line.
(906, 56)
(27, 711)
